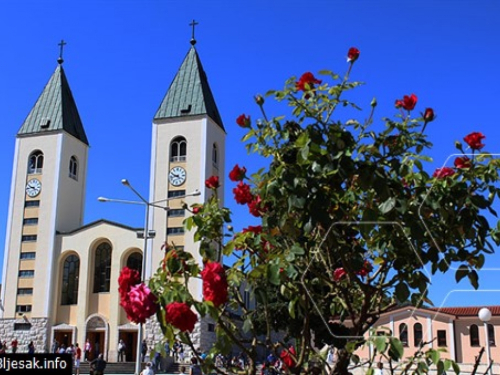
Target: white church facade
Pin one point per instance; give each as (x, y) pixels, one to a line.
(59, 279)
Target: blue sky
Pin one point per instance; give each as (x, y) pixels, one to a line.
(122, 55)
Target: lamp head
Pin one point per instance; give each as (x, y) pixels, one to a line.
(196, 193)
(102, 199)
(125, 182)
(484, 314)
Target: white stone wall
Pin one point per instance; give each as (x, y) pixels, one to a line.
(38, 334)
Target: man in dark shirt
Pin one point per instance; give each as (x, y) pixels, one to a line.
(98, 364)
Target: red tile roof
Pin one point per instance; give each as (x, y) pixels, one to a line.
(466, 311)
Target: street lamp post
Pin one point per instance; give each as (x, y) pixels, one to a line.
(485, 316)
(147, 235)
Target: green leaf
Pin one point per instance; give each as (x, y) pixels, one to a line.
(462, 271)
(440, 367)
(402, 292)
(435, 357)
(273, 274)
(473, 278)
(291, 308)
(456, 368)
(247, 325)
(388, 205)
(380, 343)
(370, 371)
(396, 349)
(297, 249)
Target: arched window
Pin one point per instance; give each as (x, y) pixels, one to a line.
(73, 168)
(35, 164)
(178, 149)
(474, 335)
(102, 269)
(491, 334)
(417, 334)
(134, 262)
(215, 156)
(403, 334)
(70, 276)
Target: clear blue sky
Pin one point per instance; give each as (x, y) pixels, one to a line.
(122, 55)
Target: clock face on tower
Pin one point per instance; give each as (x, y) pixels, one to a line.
(33, 187)
(177, 176)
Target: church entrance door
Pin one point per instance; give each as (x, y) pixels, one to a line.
(130, 340)
(64, 338)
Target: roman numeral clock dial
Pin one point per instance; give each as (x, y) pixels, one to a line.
(177, 176)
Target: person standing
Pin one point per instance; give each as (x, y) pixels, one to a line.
(87, 350)
(121, 351)
(31, 348)
(78, 357)
(380, 369)
(144, 350)
(148, 370)
(13, 344)
(99, 365)
(55, 346)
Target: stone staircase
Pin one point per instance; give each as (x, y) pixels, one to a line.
(111, 368)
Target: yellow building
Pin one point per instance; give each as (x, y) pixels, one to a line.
(59, 275)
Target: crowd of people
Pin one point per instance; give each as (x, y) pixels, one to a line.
(14, 345)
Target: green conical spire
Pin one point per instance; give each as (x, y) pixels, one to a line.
(189, 94)
(55, 110)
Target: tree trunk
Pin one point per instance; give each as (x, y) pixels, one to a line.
(343, 359)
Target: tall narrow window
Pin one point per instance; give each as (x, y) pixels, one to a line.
(134, 262)
(474, 335)
(417, 334)
(403, 334)
(35, 164)
(102, 268)
(491, 334)
(215, 156)
(73, 168)
(71, 274)
(178, 149)
(441, 336)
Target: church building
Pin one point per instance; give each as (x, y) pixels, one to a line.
(59, 279)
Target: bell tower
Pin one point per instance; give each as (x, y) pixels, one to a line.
(188, 146)
(47, 196)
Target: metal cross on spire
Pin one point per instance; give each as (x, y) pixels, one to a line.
(193, 25)
(61, 45)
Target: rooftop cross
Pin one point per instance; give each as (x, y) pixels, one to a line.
(61, 45)
(193, 24)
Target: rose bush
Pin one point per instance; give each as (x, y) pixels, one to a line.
(325, 259)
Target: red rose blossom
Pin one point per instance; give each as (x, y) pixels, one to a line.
(197, 209)
(352, 54)
(338, 274)
(366, 269)
(409, 102)
(237, 174)
(443, 172)
(254, 229)
(398, 103)
(139, 304)
(243, 121)
(255, 207)
(214, 283)
(128, 278)
(180, 316)
(306, 78)
(242, 194)
(286, 357)
(428, 115)
(212, 182)
(462, 162)
(474, 140)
